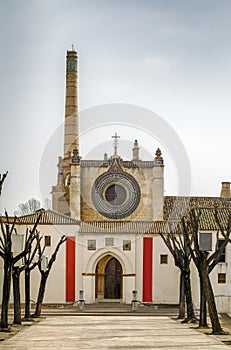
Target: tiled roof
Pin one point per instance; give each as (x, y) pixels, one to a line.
(207, 222)
(176, 207)
(48, 217)
(138, 227)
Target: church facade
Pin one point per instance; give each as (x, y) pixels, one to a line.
(113, 200)
(121, 207)
(112, 211)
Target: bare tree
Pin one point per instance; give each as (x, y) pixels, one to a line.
(7, 230)
(29, 251)
(29, 207)
(2, 179)
(47, 203)
(177, 246)
(205, 263)
(30, 264)
(44, 276)
(6, 255)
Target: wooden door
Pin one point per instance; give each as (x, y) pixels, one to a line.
(113, 280)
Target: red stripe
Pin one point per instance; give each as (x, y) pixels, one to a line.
(147, 269)
(70, 269)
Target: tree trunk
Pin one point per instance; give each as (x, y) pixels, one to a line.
(216, 327)
(6, 292)
(203, 306)
(16, 291)
(188, 294)
(44, 276)
(181, 298)
(27, 293)
(41, 293)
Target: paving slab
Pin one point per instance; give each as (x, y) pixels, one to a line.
(111, 332)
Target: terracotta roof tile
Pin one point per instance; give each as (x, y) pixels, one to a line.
(176, 207)
(108, 227)
(48, 217)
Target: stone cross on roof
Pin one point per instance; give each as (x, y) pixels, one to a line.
(116, 142)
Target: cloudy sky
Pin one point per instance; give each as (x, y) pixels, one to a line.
(172, 57)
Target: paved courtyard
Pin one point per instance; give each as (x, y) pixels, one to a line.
(111, 332)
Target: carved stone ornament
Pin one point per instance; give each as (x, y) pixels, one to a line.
(115, 193)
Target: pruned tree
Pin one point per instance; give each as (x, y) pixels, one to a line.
(10, 262)
(2, 179)
(29, 207)
(6, 255)
(44, 272)
(30, 264)
(177, 246)
(205, 263)
(29, 252)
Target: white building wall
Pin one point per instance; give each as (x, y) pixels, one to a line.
(222, 291)
(91, 258)
(139, 265)
(56, 283)
(165, 276)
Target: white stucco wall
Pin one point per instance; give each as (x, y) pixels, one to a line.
(91, 258)
(165, 276)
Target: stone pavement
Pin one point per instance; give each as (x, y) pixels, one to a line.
(111, 332)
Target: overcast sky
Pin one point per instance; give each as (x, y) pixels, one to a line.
(171, 57)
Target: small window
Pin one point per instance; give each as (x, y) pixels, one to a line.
(222, 257)
(91, 244)
(127, 245)
(163, 258)
(47, 241)
(221, 277)
(205, 241)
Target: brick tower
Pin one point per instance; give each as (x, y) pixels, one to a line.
(71, 106)
(61, 192)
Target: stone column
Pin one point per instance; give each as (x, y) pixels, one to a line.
(75, 208)
(158, 187)
(135, 151)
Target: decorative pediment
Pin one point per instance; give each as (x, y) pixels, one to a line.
(115, 166)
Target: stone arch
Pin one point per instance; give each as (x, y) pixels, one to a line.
(108, 278)
(116, 253)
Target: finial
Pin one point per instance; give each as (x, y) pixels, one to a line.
(72, 47)
(158, 159)
(135, 151)
(158, 153)
(75, 157)
(116, 142)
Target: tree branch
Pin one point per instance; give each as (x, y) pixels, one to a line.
(2, 179)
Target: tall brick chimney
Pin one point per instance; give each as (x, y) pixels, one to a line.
(225, 190)
(71, 139)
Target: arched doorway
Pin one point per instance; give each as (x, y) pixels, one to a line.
(108, 284)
